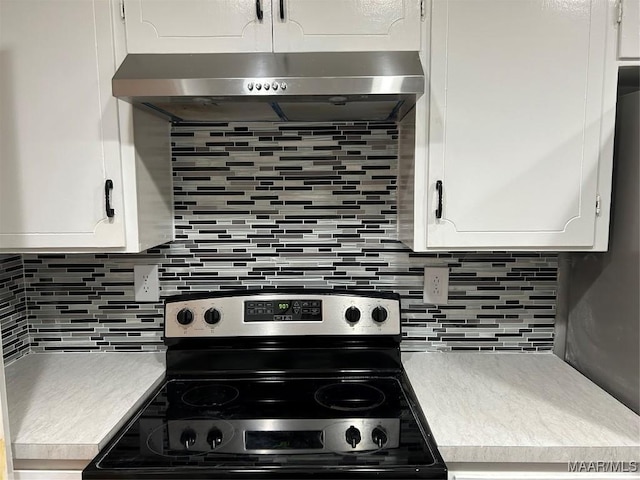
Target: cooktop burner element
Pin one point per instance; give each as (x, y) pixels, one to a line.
(283, 385)
(210, 396)
(349, 396)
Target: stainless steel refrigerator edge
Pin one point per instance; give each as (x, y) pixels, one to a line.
(598, 328)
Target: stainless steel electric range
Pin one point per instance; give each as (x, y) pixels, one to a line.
(278, 384)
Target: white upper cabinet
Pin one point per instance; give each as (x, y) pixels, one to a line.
(61, 155)
(629, 34)
(520, 127)
(59, 140)
(515, 130)
(346, 25)
(200, 26)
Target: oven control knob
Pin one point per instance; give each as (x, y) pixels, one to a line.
(188, 438)
(352, 436)
(379, 314)
(212, 316)
(352, 314)
(185, 316)
(379, 437)
(214, 438)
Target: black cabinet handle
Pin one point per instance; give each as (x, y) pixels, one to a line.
(281, 9)
(439, 190)
(259, 12)
(108, 186)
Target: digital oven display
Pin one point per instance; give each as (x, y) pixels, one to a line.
(283, 311)
(293, 440)
(283, 307)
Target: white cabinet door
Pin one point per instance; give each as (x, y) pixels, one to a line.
(346, 25)
(515, 122)
(59, 139)
(198, 26)
(629, 34)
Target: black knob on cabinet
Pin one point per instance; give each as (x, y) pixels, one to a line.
(379, 314)
(379, 437)
(214, 437)
(352, 314)
(212, 316)
(188, 438)
(185, 316)
(352, 436)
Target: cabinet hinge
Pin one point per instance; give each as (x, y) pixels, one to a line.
(619, 8)
(122, 9)
(598, 203)
(422, 12)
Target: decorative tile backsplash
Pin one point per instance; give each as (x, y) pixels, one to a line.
(15, 335)
(265, 204)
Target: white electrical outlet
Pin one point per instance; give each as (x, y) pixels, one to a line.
(146, 284)
(436, 285)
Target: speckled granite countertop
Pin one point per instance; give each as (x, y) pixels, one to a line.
(519, 408)
(67, 406)
(481, 407)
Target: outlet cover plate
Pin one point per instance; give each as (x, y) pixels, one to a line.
(146, 283)
(436, 285)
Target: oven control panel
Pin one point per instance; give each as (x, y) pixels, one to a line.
(283, 310)
(275, 314)
(282, 436)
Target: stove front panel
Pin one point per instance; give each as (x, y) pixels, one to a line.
(269, 315)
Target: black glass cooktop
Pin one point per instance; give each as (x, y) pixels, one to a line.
(325, 427)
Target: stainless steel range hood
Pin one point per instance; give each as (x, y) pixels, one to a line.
(336, 86)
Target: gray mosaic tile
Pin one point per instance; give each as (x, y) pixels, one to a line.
(288, 205)
(13, 317)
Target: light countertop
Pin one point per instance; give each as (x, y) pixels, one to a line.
(519, 408)
(67, 406)
(480, 407)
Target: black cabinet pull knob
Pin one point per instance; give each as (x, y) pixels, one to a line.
(439, 190)
(259, 12)
(108, 187)
(281, 9)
